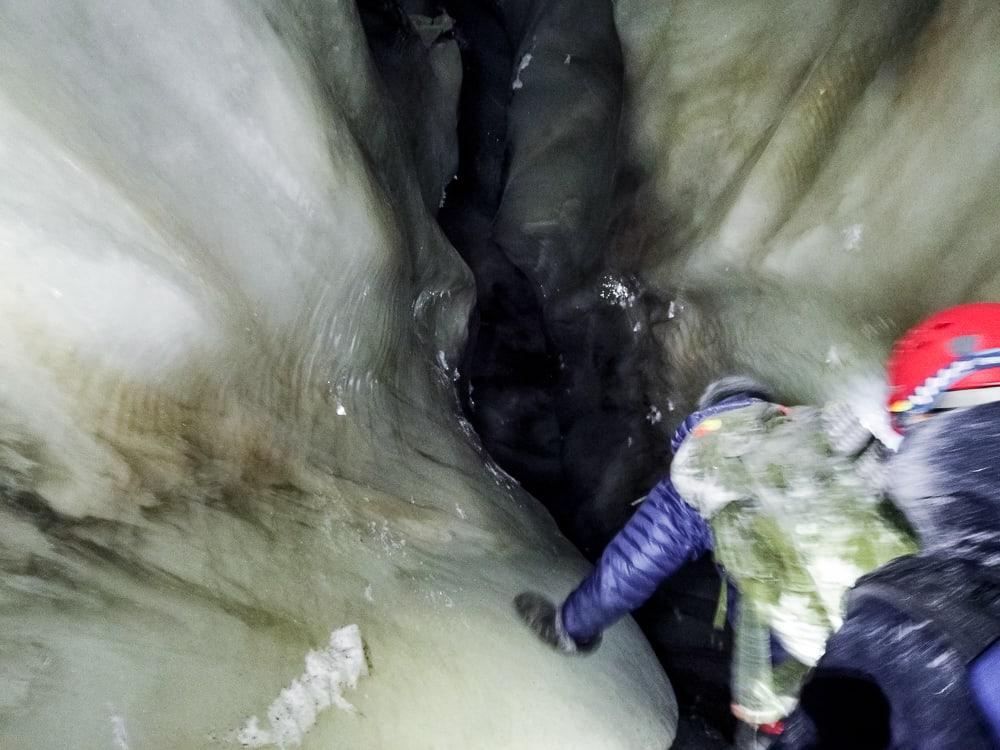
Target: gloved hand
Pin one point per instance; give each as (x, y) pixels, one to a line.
(844, 429)
(542, 616)
(850, 437)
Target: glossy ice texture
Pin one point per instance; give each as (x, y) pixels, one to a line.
(226, 430)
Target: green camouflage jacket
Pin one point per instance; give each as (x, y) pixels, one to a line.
(795, 524)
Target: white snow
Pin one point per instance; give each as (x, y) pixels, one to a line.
(618, 292)
(525, 62)
(294, 712)
(852, 237)
(119, 734)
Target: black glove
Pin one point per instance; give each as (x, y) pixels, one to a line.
(542, 616)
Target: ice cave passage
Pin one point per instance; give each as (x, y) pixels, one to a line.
(327, 328)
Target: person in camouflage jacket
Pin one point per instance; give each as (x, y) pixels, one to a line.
(788, 501)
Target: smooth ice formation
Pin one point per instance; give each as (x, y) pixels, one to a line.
(815, 178)
(223, 429)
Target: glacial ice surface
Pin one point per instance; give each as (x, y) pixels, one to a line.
(813, 178)
(225, 431)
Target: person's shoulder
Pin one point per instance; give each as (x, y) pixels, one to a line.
(723, 448)
(706, 470)
(739, 423)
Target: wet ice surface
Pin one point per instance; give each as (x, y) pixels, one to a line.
(224, 433)
(814, 179)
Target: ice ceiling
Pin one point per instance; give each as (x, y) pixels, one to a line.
(239, 500)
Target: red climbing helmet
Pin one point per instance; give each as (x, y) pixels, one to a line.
(950, 360)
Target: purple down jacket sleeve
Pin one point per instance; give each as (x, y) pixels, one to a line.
(664, 534)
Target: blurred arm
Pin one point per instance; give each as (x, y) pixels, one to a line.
(663, 534)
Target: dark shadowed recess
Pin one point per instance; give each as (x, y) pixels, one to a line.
(552, 384)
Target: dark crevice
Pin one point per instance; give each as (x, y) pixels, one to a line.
(553, 385)
(510, 370)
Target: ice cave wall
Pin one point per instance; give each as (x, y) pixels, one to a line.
(227, 424)
(815, 178)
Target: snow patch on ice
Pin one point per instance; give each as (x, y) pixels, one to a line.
(385, 536)
(852, 237)
(468, 429)
(525, 62)
(618, 292)
(321, 685)
(501, 477)
(451, 372)
(833, 357)
(119, 734)
(439, 597)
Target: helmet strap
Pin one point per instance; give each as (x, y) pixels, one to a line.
(926, 397)
(968, 397)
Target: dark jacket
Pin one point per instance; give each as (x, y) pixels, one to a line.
(916, 664)
(663, 535)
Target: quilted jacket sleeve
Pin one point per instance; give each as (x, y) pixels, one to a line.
(663, 534)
